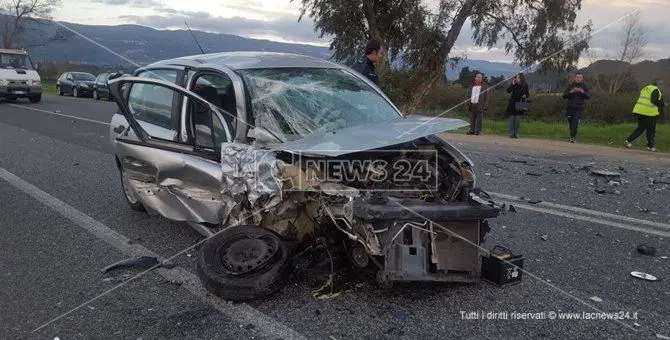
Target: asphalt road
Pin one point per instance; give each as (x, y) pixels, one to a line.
(64, 219)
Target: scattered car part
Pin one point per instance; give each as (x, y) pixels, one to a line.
(605, 173)
(142, 261)
(244, 262)
(201, 229)
(646, 250)
(644, 276)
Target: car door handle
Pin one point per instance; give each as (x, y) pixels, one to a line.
(119, 129)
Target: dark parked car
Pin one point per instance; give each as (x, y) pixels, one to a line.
(78, 84)
(100, 89)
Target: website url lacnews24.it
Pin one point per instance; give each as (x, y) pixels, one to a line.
(547, 315)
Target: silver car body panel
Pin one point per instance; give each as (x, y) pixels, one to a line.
(377, 135)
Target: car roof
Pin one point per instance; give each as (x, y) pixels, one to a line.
(249, 60)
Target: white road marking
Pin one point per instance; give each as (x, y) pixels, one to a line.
(59, 114)
(592, 220)
(588, 211)
(240, 313)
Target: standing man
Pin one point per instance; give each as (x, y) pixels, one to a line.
(366, 66)
(576, 95)
(647, 109)
(477, 105)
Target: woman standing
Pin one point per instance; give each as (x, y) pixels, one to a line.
(519, 92)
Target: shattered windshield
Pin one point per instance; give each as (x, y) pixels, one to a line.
(295, 103)
(15, 61)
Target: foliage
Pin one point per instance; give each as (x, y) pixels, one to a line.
(467, 76)
(15, 16)
(533, 30)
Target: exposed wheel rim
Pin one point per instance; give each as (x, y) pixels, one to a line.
(245, 255)
(128, 191)
(75, 93)
(95, 94)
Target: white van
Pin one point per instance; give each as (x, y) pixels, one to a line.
(18, 77)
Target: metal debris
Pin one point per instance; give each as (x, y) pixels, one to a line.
(533, 174)
(596, 299)
(544, 237)
(605, 173)
(644, 210)
(142, 261)
(660, 336)
(614, 183)
(646, 250)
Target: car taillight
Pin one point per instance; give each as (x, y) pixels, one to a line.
(36, 83)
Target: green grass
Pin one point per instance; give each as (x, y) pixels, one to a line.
(589, 132)
(49, 87)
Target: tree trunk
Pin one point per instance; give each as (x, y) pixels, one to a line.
(426, 84)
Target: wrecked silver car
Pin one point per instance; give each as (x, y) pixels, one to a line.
(266, 152)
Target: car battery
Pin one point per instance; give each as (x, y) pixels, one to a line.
(502, 267)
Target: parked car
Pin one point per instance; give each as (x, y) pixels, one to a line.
(100, 89)
(78, 84)
(255, 150)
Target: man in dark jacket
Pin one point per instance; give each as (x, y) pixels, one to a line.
(575, 95)
(478, 104)
(366, 66)
(647, 110)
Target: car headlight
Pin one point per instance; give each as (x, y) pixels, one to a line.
(36, 83)
(4, 82)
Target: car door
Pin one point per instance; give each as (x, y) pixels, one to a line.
(69, 83)
(178, 180)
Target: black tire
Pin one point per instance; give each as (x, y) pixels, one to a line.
(35, 99)
(268, 278)
(95, 95)
(130, 196)
(60, 91)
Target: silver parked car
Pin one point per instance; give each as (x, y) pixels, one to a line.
(266, 152)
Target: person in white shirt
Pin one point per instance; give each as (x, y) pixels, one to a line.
(477, 105)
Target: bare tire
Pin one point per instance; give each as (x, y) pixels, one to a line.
(130, 194)
(244, 263)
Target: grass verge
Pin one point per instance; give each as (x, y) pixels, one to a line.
(49, 87)
(589, 132)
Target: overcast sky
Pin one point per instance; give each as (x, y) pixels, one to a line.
(278, 20)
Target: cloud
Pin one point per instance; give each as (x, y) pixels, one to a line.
(132, 3)
(285, 28)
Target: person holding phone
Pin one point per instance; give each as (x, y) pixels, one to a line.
(519, 92)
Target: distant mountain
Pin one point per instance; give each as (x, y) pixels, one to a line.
(489, 68)
(642, 72)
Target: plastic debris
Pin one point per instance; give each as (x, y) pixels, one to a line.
(402, 315)
(487, 174)
(661, 336)
(535, 174)
(544, 237)
(646, 250)
(664, 257)
(644, 210)
(596, 299)
(644, 276)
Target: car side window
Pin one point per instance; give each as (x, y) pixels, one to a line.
(208, 129)
(153, 106)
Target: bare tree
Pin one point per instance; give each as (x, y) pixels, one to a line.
(633, 40)
(19, 17)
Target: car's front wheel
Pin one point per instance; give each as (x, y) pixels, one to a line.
(60, 90)
(75, 92)
(96, 96)
(129, 193)
(244, 263)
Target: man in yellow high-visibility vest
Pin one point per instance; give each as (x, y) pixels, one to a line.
(647, 109)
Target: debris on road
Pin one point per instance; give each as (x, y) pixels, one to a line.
(142, 261)
(646, 250)
(643, 276)
(544, 237)
(535, 174)
(664, 257)
(402, 315)
(614, 183)
(660, 336)
(605, 173)
(596, 299)
(644, 210)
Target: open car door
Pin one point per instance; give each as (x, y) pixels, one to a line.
(178, 178)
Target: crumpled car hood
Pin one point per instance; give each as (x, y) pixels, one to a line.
(370, 136)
